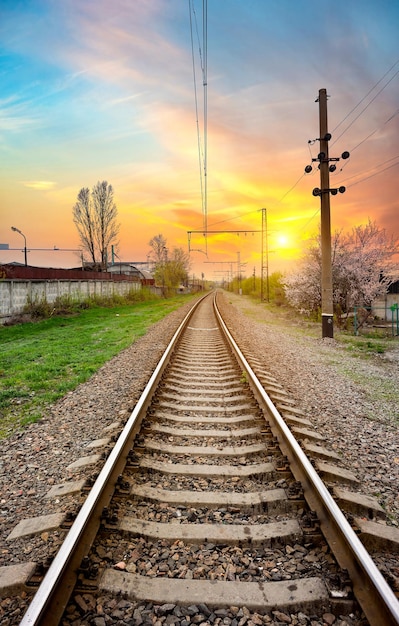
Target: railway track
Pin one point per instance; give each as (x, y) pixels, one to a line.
(207, 509)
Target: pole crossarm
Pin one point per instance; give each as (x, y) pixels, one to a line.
(212, 232)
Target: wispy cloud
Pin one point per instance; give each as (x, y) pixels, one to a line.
(39, 185)
(15, 117)
(118, 101)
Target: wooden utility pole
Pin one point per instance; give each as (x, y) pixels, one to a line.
(324, 192)
(326, 269)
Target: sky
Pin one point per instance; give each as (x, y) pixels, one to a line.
(95, 90)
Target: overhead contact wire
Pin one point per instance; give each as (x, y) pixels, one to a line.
(200, 155)
(205, 85)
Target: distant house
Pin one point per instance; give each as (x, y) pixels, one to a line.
(386, 307)
(130, 269)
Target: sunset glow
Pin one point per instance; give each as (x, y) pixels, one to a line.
(105, 91)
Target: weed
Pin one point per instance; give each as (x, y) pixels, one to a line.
(38, 308)
(244, 378)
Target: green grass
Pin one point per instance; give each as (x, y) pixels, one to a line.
(367, 345)
(41, 361)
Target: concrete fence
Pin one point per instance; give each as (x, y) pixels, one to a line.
(15, 294)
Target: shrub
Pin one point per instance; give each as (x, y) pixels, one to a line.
(38, 308)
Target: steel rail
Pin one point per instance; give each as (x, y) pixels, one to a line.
(373, 593)
(53, 594)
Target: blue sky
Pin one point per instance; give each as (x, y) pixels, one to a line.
(104, 91)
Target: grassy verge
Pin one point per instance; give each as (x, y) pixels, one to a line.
(367, 344)
(356, 358)
(41, 361)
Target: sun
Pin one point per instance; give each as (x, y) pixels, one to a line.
(283, 241)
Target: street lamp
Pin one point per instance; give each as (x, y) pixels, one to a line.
(25, 251)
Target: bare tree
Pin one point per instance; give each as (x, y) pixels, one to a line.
(84, 221)
(171, 267)
(105, 213)
(159, 251)
(95, 215)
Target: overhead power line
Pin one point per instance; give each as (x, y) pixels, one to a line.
(363, 99)
(291, 188)
(390, 118)
(373, 173)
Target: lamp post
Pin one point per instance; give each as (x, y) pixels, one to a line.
(25, 250)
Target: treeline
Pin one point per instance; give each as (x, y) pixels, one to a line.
(270, 288)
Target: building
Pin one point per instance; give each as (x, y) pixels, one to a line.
(132, 270)
(387, 306)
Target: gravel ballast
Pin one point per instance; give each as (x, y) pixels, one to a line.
(361, 429)
(356, 421)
